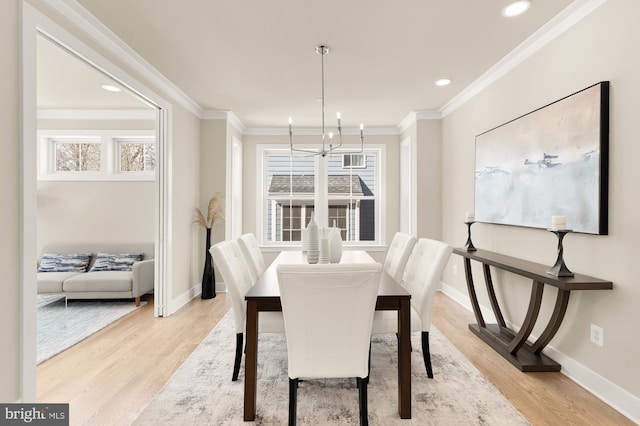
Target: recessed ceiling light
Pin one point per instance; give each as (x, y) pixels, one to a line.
(516, 8)
(443, 82)
(111, 88)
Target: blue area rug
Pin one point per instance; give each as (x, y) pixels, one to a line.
(61, 327)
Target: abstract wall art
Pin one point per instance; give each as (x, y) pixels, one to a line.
(551, 161)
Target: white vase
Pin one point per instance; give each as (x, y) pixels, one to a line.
(305, 240)
(335, 244)
(324, 251)
(313, 250)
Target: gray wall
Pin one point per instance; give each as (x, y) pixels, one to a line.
(603, 46)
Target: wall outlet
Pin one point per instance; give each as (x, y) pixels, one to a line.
(455, 269)
(597, 335)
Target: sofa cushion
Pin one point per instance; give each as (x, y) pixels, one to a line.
(51, 282)
(115, 261)
(99, 281)
(64, 262)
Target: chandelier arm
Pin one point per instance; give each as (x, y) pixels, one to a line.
(323, 50)
(322, 53)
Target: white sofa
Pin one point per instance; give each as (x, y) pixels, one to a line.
(108, 284)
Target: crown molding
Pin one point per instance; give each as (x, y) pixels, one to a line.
(571, 15)
(229, 116)
(80, 17)
(96, 114)
(407, 122)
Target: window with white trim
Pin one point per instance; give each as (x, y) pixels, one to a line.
(290, 195)
(96, 155)
(136, 156)
(77, 156)
(354, 161)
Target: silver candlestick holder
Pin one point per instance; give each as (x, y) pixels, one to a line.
(559, 269)
(469, 246)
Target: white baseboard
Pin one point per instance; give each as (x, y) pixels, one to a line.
(610, 393)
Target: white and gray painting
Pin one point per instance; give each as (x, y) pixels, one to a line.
(543, 164)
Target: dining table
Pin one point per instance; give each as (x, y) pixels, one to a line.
(264, 296)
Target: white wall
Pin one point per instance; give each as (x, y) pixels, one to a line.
(603, 46)
(85, 212)
(9, 208)
(213, 167)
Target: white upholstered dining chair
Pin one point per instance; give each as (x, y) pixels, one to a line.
(398, 254)
(421, 278)
(251, 251)
(328, 312)
(230, 262)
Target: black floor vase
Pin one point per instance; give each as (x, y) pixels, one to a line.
(208, 276)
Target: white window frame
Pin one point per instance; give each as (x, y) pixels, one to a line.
(351, 166)
(321, 198)
(109, 155)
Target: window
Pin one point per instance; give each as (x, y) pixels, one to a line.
(354, 161)
(349, 198)
(77, 156)
(96, 155)
(137, 156)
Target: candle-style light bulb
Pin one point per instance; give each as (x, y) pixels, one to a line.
(290, 121)
(361, 128)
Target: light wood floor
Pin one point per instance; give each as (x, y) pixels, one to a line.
(111, 376)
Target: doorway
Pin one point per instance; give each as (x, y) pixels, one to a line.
(35, 25)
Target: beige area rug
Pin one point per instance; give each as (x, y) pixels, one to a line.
(201, 391)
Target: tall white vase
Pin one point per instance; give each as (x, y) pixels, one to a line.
(335, 244)
(313, 249)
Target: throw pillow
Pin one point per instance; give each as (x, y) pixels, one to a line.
(57, 262)
(115, 261)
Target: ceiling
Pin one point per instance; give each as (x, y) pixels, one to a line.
(257, 58)
(64, 82)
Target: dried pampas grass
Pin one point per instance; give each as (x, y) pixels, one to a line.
(215, 212)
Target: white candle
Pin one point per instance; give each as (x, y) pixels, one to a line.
(558, 222)
(470, 217)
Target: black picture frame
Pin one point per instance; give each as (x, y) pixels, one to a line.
(551, 161)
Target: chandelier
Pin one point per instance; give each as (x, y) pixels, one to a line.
(327, 145)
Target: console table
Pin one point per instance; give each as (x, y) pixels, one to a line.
(511, 345)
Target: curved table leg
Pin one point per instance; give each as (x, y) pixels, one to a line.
(530, 319)
(492, 296)
(562, 300)
(472, 293)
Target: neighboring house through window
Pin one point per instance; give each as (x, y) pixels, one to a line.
(291, 193)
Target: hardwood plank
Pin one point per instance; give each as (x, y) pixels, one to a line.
(110, 377)
(542, 398)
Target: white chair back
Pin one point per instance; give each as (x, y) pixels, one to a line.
(251, 250)
(328, 312)
(422, 275)
(398, 254)
(229, 260)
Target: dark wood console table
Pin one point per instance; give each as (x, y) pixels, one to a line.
(514, 346)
